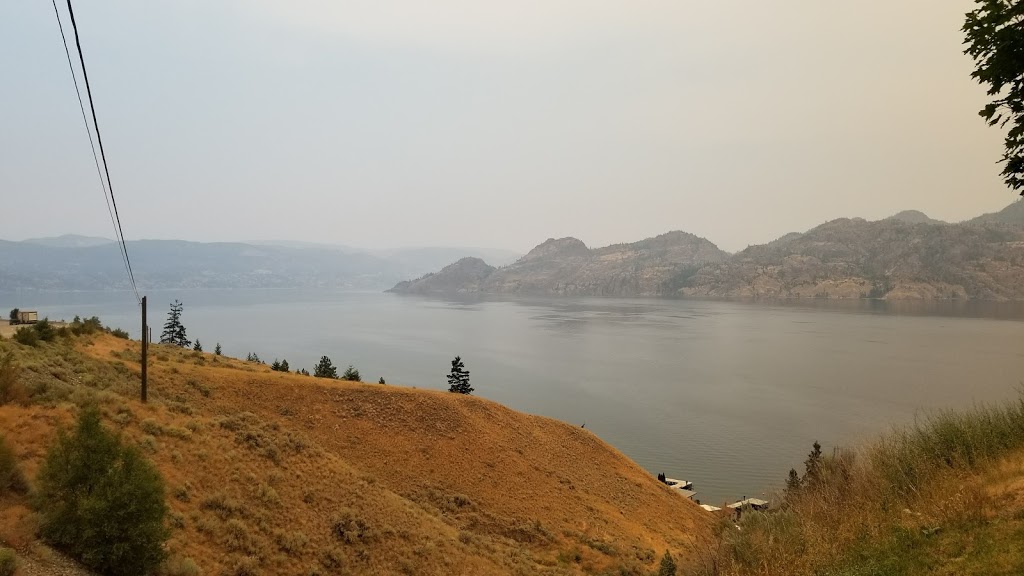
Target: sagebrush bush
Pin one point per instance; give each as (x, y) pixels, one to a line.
(11, 387)
(26, 336)
(101, 501)
(8, 562)
(11, 477)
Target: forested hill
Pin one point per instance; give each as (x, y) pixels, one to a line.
(908, 255)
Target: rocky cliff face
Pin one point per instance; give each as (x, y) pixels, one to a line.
(902, 257)
(886, 259)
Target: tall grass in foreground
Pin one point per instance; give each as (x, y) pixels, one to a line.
(892, 507)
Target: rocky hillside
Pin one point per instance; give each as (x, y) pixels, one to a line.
(905, 256)
(886, 259)
(565, 266)
(276, 473)
(464, 276)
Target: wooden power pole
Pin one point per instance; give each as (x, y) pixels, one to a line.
(145, 348)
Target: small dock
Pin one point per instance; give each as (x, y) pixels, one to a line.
(683, 487)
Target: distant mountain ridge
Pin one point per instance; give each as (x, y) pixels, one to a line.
(905, 256)
(74, 262)
(566, 266)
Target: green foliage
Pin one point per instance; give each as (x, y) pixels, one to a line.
(87, 326)
(119, 333)
(351, 374)
(11, 477)
(44, 330)
(14, 315)
(995, 40)
(813, 465)
(325, 369)
(8, 562)
(11, 388)
(304, 372)
(197, 347)
(174, 331)
(381, 381)
(216, 349)
(26, 336)
(253, 357)
(281, 366)
(667, 566)
(458, 378)
(101, 501)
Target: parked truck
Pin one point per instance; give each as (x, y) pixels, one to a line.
(24, 316)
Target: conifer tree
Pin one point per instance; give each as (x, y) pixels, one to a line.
(351, 374)
(813, 465)
(668, 565)
(458, 378)
(174, 331)
(283, 367)
(325, 369)
(198, 347)
(381, 381)
(216, 349)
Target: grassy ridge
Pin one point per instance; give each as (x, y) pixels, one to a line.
(942, 496)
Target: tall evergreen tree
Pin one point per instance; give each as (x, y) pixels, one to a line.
(284, 366)
(197, 347)
(216, 349)
(458, 378)
(174, 331)
(813, 465)
(325, 369)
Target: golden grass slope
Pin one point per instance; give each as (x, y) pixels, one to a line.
(274, 473)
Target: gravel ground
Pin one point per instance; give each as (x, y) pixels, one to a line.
(42, 560)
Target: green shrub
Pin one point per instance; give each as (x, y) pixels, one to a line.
(101, 501)
(119, 333)
(26, 336)
(8, 562)
(11, 477)
(44, 330)
(11, 388)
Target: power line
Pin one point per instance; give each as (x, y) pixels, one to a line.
(103, 154)
(103, 186)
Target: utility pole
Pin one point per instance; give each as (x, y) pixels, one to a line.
(145, 348)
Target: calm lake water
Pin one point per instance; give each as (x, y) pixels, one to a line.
(729, 395)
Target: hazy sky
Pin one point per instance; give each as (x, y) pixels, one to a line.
(464, 122)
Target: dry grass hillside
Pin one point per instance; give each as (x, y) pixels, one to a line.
(275, 473)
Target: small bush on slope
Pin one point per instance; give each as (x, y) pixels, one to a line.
(11, 478)
(101, 501)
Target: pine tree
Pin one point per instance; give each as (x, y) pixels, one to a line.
(174, 331)
(668, 565)
(813, 465)
(351, 374)
(275, 365)
(284, 366)
(458, 378)
(325, 369)
(216, 349)
(198, 347)
(793, 482)
(381, 381)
